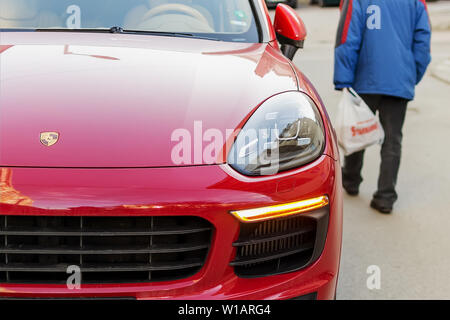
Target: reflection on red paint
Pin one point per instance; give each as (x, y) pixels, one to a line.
(9, 195)
(3, 48)
(67, 51)
(270, 60)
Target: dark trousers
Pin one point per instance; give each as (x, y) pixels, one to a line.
(392, 111)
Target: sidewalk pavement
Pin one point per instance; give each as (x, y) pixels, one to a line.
(440, 21)
(439, 15)
(441, 71)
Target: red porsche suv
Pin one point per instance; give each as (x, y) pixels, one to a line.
(163, 149)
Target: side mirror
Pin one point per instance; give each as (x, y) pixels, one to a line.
(290, 30)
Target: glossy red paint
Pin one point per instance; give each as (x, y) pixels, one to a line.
(115, 99)
(129, 99)
(289, 24)
(209, 192)
(122, 99)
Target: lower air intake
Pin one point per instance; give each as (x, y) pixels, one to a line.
(37, 249)
(280, 245)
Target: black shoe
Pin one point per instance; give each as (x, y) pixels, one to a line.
(381, 208)
(351, 192)
(350, 189)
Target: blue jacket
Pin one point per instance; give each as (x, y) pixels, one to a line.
(382, 46)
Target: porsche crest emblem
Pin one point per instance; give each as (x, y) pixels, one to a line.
(49, 138)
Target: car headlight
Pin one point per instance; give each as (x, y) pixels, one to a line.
(284, 133)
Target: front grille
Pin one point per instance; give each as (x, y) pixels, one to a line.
(36, 249)
(280, 245)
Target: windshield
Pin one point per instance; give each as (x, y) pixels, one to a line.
(227, 20)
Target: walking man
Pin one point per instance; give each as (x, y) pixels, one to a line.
(382, 52)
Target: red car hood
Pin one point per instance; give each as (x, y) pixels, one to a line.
(115, 100)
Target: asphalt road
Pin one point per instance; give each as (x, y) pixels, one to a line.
(411, 247)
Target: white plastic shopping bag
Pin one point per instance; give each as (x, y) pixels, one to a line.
(357, 127)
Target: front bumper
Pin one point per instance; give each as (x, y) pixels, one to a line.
(210, 192)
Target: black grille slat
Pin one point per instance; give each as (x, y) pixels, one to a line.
(280, 245)
(88, 251)
(100, 268)
(38, 249)
(280, 254)
(99, 233)
(263, 239)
